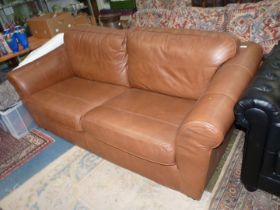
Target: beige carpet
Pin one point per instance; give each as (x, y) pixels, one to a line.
(81, 180)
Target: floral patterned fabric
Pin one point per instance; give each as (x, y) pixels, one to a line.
(259, 5)
(188, 3)
(240, 23)
(265, 26)
(151, 18)
(210, 19)
(161, 4)
(268, 45)
(258, 22)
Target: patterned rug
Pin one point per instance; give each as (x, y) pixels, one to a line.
(81, 180)
(232, 195)
(14, 153)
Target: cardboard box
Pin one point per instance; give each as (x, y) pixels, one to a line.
(84, 19)
(51, 24)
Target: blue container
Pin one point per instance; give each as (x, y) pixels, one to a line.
(11, 40)
(21, 37)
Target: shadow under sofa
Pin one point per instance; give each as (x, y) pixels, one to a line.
(156, 101)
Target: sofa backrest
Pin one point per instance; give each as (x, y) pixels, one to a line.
(176, 62)
(98, 53)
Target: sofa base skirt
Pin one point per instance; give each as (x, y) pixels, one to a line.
(167, 175)
(72, 136)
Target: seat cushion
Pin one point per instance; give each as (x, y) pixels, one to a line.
(141, 123)
(68, 101)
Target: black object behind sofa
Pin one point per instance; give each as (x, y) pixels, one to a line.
(218, 3)
(258, 113)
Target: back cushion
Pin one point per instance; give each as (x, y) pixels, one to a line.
(176, 62)
(98, 53)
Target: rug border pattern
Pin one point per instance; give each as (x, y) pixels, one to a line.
(48, 140)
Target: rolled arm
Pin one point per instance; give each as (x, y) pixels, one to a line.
(41, 73)
(213, 114)
(205, 127)
(207, 124)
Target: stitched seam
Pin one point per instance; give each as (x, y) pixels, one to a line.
(243, 67)
(141, 115)
(129, 133)
(220, 94)
(138, 156)
(99, 32)
(179, 33)
(68, 96)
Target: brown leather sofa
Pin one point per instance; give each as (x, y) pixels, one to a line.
(156, 101)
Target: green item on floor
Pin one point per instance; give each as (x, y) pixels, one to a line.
(126, 4)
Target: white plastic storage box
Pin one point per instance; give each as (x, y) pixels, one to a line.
(17, 121)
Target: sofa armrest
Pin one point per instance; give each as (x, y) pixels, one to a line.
(213, 114)
(258, 113)
(41, 73)
(205, 127)
(207, 123)
(264, 92)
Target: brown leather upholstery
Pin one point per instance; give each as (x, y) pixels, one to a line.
(200, 124)
(237, 72)
(171, 126)
(164, 174)
(141, 123)
(105, 59)
(176, 63)
(49, 69)
(68, 101)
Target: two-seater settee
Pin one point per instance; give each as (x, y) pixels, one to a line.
(156, 101)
